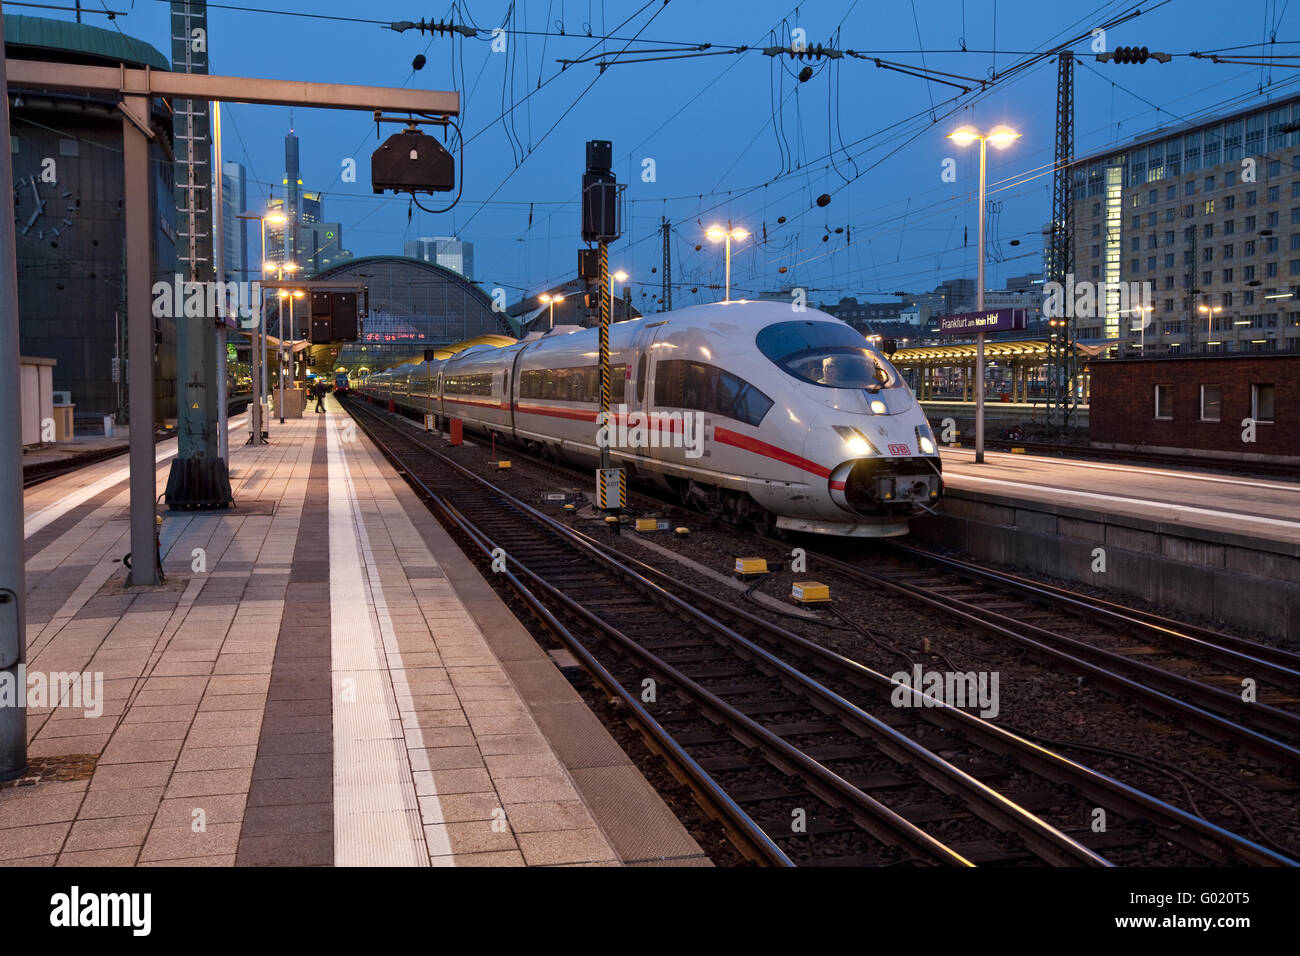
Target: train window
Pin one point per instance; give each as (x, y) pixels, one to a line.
(571, 384)
(827, 354)
(479, 384)
(707, 388)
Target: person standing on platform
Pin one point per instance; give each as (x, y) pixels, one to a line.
(320, 397)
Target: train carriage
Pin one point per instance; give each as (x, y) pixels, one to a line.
(747, 410)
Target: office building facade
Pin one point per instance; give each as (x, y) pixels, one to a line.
(1204, 221)
(446, 251)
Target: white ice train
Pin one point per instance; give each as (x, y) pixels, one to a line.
(747, 410)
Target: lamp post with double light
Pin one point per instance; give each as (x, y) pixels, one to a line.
(548, 299)
(718, 234)
(1001, 137)
(1210, 311)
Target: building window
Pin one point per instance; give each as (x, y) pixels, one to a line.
(1209, 184)
(1169, 214)
(1189, 189)
(1229, 227)
(1270, 244)
(1209, 207)
(1228, 250)
(1137, 222)
(1207, 278)
(1096, 272)
(1250, 198)
(1248, 298)
(1250, 223)
(1169, 303)
(1274, 167)
(1135, 243)
(1274, 193)
(1270, 270)
(1164, 403)
(1261, 403)
(1295, 189)
(1169, 264)
(1137, 200)
(1171, 191)
(1151, 263)
(1153, 197)
(1248, 273)
(1096, 251)
(1229, 178)
(1096, 209)
(1250, 248)
(1227, 275)
(1152, 241)
(1135, 265)
(1211, 402)
(1207, 254)
(1207, 231)
(1229, 202)
(1272, 220)
(1096, 229)
(1152, 218)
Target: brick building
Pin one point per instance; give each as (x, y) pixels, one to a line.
(1198, 403)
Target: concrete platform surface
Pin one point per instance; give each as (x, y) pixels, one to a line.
(1251, 507)
(323, 679)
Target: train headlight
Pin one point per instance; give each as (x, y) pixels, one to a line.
(924, 440)
(878, 406)
(927, 446)
(856, 442)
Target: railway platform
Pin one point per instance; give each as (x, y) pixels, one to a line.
(323, 679)
(1223, 546)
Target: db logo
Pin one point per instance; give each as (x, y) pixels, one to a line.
(900, 450)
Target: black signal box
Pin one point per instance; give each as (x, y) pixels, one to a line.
(589, 264)
(600, 156)
(333, 317)
(411, 161)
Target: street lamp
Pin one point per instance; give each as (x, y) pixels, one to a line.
(547, 298)
(1210, 312)
(1001, 137)
(1143, 318)
(256, 350)
(718, 234)
(619, 276)
(284, 294)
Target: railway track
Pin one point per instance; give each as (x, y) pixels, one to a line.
(802, 765)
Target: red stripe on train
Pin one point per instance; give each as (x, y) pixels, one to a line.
(727, 437)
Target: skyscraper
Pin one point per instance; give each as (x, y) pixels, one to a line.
(234, 231)
(306, 238)
(446, 251)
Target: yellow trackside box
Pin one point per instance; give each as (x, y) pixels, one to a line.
(1017, 451)
(647, 524)
(809, 592)
(503, 464)
(751, 565)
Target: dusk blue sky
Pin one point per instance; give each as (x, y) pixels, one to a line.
(733, 137)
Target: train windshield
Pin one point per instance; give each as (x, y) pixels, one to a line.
(828, 354)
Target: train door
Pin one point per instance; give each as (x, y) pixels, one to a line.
(638, 393)
(509, 395)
